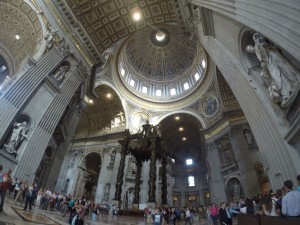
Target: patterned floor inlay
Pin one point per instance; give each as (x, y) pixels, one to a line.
(33, 217)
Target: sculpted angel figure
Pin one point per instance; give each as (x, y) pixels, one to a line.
(17, 136)
(278, 73)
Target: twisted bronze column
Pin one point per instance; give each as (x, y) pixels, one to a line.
(164, 186)
(121, 171)
(152, 175)
(137, 189)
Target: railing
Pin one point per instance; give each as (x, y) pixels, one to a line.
(244, 219)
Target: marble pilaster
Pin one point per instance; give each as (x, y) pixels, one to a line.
(103, 178)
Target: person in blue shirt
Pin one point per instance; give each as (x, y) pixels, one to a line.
(157, 217)
(290, 201)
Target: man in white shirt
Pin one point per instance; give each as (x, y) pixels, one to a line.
(290, 201)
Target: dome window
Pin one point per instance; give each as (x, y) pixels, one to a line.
(145, 90)
(197, 76)
(203, 63)
(132, 83)
(122, 72)
(186, 86)
(158, 93)
(173, 91)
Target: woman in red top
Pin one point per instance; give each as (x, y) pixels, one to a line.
(6, 179)
(214, 214)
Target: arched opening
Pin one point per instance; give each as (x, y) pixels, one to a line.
(4, 70)
(87, 180)
(105, 114)
(186, 145)
(234, 189)
(42, 172)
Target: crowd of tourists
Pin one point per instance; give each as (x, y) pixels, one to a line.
(26, 196)
(284, 202)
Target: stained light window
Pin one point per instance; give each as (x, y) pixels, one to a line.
(197, 76)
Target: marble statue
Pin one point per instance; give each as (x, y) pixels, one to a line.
(130, 199)
(278, 74)
(236, 190)
(248, 137)
(50, 38)
(17, 136)
(60, 73)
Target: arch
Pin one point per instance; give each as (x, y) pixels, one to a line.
(199, 117)
(103, 82)
(43, 170)
(88, 174)
(107, 112)
(234, 189)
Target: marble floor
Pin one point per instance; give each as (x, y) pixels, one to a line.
(15, 215)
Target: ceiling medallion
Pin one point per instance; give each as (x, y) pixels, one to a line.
(210, 105)
(160, 37)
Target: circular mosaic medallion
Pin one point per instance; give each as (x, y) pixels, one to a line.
(209, 105)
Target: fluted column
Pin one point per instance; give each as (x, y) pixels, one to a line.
(266, 129)
(152, 186)
(21, 90)
(43, 131)
(121, 171)
(164, 188)
(137, 189)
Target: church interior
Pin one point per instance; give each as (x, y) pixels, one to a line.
(147, 103)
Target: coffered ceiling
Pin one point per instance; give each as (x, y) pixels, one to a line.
(107, 21)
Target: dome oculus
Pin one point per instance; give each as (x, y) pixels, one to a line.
(160, 36)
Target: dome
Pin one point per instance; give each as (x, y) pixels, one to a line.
(159, 63)
(163, 60)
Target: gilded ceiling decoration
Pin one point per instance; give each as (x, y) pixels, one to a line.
(105, 114)
(108, 21)
(161, 70)
(18, 18)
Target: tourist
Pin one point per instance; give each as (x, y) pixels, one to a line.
(214, 214)
(6, 179)
(30, 195)
(290, 201)
(298, 180)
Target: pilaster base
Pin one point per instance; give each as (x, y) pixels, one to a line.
(135, 206)
(151, 205)
(117, 203)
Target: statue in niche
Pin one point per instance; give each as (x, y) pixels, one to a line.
(18, 135)
(248, 137)
(113, 157)
(236, 190)
(130, 199)
(225, 151)
(59, 74)
(278, 74)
